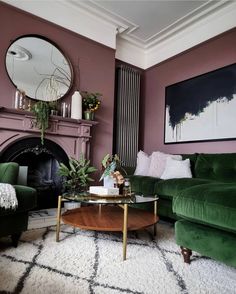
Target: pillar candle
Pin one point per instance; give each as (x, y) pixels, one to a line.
(76, 105)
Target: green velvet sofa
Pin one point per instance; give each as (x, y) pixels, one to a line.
(14, 222)
(204, 207)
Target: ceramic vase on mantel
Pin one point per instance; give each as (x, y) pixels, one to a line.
(76, 105)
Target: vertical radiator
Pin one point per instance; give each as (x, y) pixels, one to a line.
(127, 115)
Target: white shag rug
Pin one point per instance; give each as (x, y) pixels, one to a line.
(91, 262)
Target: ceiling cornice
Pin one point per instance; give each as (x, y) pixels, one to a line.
(89, 19)
(215, 22)
(191, 18)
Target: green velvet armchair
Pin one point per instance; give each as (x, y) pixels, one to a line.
(14, 221)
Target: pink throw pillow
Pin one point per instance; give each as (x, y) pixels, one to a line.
(143, 163)
(158, 163)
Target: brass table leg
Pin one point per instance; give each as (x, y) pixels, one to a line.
(58, 218)
(155, 213)
(99, 209)
(125, 224)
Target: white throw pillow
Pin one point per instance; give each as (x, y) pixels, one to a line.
(158, 163)
(177, 169)
(143, 163)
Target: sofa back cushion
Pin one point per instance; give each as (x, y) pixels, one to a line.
(9, 172)
(219, 167)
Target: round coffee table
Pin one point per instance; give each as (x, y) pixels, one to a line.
(108, 213)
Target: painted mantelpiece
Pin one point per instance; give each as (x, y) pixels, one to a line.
(72, 135)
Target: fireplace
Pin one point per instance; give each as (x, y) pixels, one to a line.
(42, 162)
(20, 142)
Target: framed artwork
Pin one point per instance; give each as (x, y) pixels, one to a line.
(202, 108)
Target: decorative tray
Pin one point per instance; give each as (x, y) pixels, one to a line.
(112, 196)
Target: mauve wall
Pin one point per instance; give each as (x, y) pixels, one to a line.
(96, 63)
(206, 57)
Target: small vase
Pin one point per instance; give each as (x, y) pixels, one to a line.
(54, 112)
(108, 182)
(89, 115)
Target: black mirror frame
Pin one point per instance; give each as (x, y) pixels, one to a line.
(55, 45)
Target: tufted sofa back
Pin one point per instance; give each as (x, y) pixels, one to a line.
(219, 167)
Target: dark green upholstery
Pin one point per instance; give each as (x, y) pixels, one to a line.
(205, 205)
(143, 185)
(165, 209)
(14, 221)
(9, 172)
(26, 200)
(212, 204)
(206, 240)
(219, 167)
(171, 188)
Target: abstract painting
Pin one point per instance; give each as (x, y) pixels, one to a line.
(202, 108)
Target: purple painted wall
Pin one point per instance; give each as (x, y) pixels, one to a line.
(206, 57)
(96, 63)
(97, 73)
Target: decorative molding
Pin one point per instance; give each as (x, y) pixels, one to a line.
(180, 24)
(214, 24)
(130, 53)
(217, 22)
(101, 25)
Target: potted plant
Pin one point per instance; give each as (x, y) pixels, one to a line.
(41, 109)
(77, 174)
(90, 103)
(111, 166)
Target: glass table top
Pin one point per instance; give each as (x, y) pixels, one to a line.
(98, 199)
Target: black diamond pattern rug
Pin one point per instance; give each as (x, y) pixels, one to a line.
(91, 262)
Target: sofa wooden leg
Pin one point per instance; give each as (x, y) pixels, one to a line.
(15, 238)
(186, 254)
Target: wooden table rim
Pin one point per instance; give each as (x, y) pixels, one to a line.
(125, 222)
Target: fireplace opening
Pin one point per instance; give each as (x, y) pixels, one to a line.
(42, 162)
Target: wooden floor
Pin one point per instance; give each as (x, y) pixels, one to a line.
(109, 218)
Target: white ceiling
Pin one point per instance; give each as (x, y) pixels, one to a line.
(149, 19)
(143, 32)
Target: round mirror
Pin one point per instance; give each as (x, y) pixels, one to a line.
(38, 68)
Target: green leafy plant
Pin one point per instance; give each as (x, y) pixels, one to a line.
(77, 173)
(110, 164)
(91, 101)
(42, 109)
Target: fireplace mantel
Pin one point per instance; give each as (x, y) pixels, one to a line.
(71, 134)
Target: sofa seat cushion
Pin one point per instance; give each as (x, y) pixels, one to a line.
(212, 204)
(172, 187)
(27, 200)
(143, 184)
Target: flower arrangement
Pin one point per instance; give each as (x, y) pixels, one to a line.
(110, 164)
(91, 101)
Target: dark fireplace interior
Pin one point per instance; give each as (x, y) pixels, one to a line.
(43, 162)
